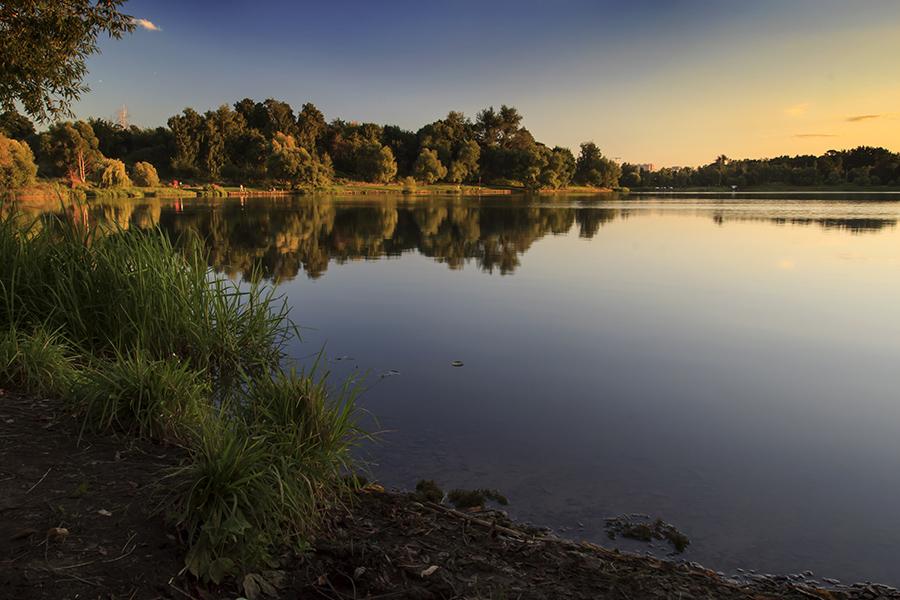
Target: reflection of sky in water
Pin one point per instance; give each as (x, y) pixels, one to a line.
(738, 379)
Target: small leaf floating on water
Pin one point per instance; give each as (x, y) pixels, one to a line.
(457, 363)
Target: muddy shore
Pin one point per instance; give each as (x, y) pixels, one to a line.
(77, 521)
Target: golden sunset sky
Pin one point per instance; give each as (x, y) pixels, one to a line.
(670, 83)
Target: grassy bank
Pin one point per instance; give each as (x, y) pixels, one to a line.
(140, 341)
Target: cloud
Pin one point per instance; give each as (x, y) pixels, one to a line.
(796, 111)
(815, 135)
(146, 24)
(859, 118)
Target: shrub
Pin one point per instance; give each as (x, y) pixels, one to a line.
(110, 174)
(17, 168)
(144, 175)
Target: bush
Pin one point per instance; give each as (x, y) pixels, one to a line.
(110, 174)
(144, 175)
(17, 168)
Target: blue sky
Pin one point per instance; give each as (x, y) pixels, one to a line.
(669, 83)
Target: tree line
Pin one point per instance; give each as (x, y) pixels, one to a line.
(268, 143)
(861, 166)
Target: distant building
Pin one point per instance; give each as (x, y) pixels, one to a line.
(646, 167)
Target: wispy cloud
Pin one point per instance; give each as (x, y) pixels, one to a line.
(147, 24)
(796, 111)
(816, 135)
(858, 118)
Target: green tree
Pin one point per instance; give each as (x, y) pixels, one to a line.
(466, 163)
(293, 164)
(428, 167)
(70, 149)
(113, 174)
(43, 48)
(501, 128)
(144, 175)
(404, 146)
(375, 163)
(594, 169)
(281, 118)
(17, 168)
(310, 126)
(560, 169)
(15, 126)
(187, 131)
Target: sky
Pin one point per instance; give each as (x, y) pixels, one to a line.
(672, 83)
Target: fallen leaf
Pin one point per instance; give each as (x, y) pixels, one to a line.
(105, 513)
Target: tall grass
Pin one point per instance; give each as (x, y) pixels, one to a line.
(39, 361)
(145, 341)
(111, 292)
(156, 399)
(263, 469)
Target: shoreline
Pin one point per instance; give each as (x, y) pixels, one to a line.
(101, 493)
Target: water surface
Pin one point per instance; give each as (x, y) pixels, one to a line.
(728, 364)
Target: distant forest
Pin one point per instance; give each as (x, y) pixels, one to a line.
(268, 143)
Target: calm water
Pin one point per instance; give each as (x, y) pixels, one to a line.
(730, 365)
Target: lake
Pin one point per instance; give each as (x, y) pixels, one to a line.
(729, 364)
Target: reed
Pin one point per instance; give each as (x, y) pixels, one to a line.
(40, 361)
(142, 340)
(264, 467)
(137, 396)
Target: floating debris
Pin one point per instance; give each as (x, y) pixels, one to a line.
(457, 363)
(634, 527)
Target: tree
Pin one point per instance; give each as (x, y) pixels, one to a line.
(493, 128)
(113, 174)
(70, 149)
(375, 163)
(310, 126)
(466, 163)
(428, 167)
(16, 127)
(187, 129)
(288, 162)
(594, 169)
(144, 175)
(43, 48)
(17, 168)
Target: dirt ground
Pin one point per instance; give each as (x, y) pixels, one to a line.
(77, 520)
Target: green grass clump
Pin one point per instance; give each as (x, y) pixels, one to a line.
(144, 341)
(38, 361)
(133, 395)
(262, 469)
